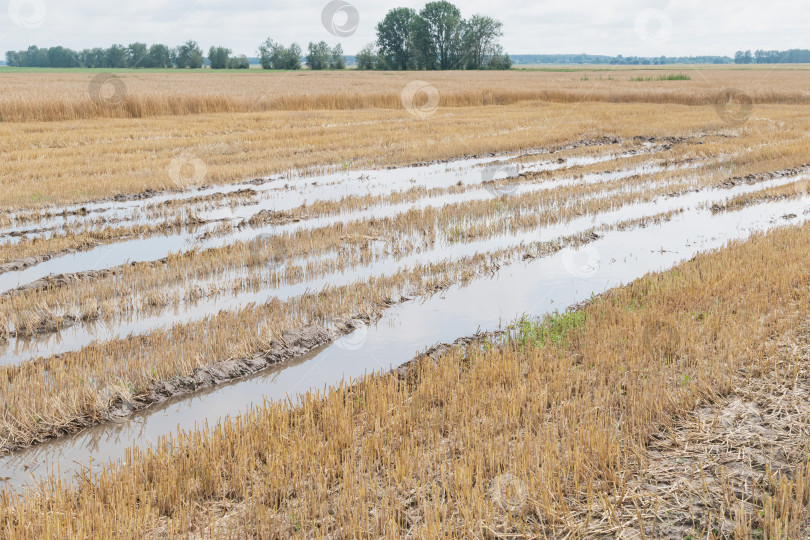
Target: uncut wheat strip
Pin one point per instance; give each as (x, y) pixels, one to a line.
(143, 105)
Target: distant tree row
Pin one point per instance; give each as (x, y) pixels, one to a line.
(534, 59)
(135, 55)
(189, 55)
(663, 60)
(437, 37)
(792, 56)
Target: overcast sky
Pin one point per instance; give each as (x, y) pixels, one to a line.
(629, 27)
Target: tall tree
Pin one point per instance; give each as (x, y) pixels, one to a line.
(239, 62)
(336, 59)
(13, 58)
(292, 57)
(439, 33)
(160, 56)
(34, 57)
(424, 50)
(268, 54)
(498, 60)
(62, 58)
(318, 55)
(394, 38)
(116, 57)
(219, 56)
(136, 54)
(99, 57)
(748, 58)
(189, 55)
(480, 36)
(368, 58)
(273, 55)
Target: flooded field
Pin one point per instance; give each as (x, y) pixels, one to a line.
(388, 262)
(559, 304)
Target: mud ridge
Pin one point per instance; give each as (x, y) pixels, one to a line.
(28, 262)
(292, 344)
(762, 177)
(57, 280)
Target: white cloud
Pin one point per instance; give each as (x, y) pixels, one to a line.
(574, 26)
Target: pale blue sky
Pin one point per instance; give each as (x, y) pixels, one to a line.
(628, 27)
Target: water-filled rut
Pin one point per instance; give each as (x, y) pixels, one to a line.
(617, 244)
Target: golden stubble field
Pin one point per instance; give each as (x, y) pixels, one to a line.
(604, 420)
(225, 127)
(547, 434)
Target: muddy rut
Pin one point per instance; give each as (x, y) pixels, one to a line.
(350, 272)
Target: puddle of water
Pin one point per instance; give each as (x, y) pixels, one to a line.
(76, 337)
(389, 210)
(535, 288)
(100, 258)
(324, 188)
(157, 247)
(355, 181)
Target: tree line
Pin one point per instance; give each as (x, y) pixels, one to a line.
(189, 55)
(134, 55)
(792, 56)
(618, 60)
(436, 37)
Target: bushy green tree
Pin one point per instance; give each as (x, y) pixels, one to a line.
(273, 55)
(239, 62)
(13, 58)
(479, 40)
(160, 56)
(321, 56)
(499, 60)
(439, 30)
(268, 54)
(116, 57)
(137, 54)
(369, 58)
(394, 38)
(318, 55)
(292, 57)
(336, 58)
(748, 57)
(62, 58)
(189, 55)
(93, 58)
(436, 37)
(219, 57)
(35, 57)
